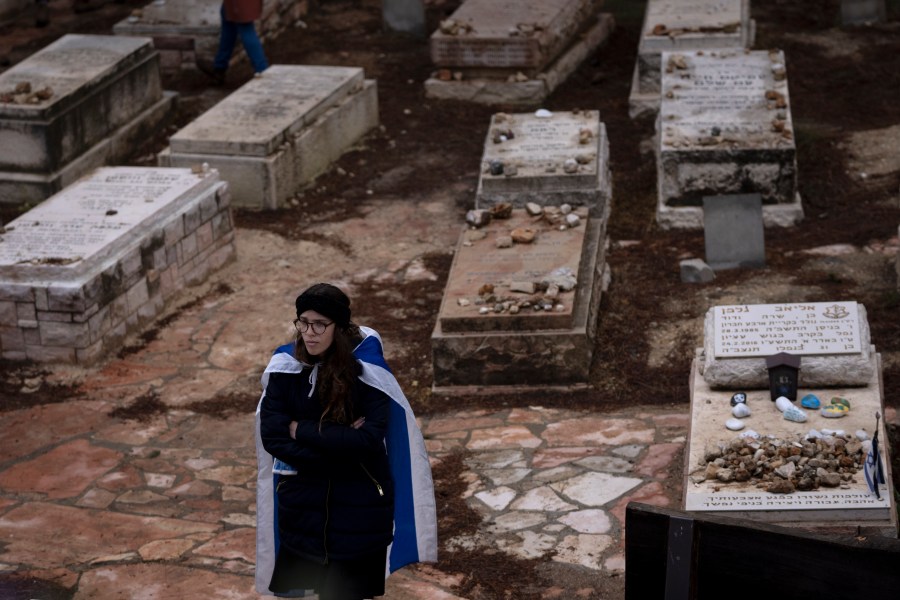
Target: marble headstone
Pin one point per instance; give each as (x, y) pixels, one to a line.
(832, 338)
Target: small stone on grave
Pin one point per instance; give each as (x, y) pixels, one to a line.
(504, 241)
(695, 270)
(478, 217)
(525, 287)
(534, 209)
(523, 235)
(501, 211)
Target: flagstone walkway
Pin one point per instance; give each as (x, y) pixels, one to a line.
(165, 509)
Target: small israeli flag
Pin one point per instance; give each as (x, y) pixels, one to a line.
(873, 469)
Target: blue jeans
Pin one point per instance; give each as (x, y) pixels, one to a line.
(249, 39)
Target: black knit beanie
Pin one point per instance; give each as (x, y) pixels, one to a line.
(326, 300)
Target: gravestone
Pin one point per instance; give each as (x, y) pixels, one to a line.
(513, 52)
(832, 339)
(185, 31)
(684, 26)
(725, 127)
(863, 12)
(101, 259)
(407, 16)
(79, 103)
(547, 160)
(733, 232)
(278, 132)
(488, 334)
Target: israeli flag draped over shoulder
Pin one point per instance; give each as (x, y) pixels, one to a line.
(415, 517)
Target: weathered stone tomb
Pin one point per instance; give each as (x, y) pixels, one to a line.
(683, 26)
(725, 127)
(81, 102)
(101, 259)
(513, 52)
(558, 158)
(278, 132)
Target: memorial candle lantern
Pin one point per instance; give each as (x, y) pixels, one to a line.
(784, 373)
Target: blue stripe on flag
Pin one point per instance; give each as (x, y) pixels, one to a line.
(369, 350)
(404, 549)
(287, 349)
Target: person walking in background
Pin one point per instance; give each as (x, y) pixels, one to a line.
(344, 489)
(237, 18)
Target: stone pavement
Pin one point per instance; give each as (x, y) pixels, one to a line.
(162, 509)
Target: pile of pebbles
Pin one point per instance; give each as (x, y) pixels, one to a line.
(23, 94)
(542, 296)
(783, 466)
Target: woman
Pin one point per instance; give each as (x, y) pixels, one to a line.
(350, 473)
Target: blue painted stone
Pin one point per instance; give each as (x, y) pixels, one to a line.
(795, 414)
(810, 401)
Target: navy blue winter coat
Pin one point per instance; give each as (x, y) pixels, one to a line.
(340, 505)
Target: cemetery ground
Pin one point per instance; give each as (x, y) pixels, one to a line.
(383, 223)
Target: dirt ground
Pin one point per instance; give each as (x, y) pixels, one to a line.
(844, 86)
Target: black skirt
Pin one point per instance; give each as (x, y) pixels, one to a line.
(338, 580)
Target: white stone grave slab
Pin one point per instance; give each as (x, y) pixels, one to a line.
(279, 131)
(684, 25)
(561, 158)
(832, 339)
(847, 507)
(100, 259)
(82, 101)
(513, 53)
(725, 127)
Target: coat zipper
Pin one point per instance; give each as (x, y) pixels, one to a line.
(375, 481)
(325, 530)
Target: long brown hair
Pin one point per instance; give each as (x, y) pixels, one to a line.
(338, 369)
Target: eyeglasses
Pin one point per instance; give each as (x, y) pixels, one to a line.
(318, 327)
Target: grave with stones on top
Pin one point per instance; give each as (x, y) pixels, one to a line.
(82, 102)
(513, 52)
(775, 467)
(185, 31)
(278, 132)
(724, 127)
(522, 298)
(103, 258)
(683, 26)
(547, 159)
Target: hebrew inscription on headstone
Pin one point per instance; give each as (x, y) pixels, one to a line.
(804, 329)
